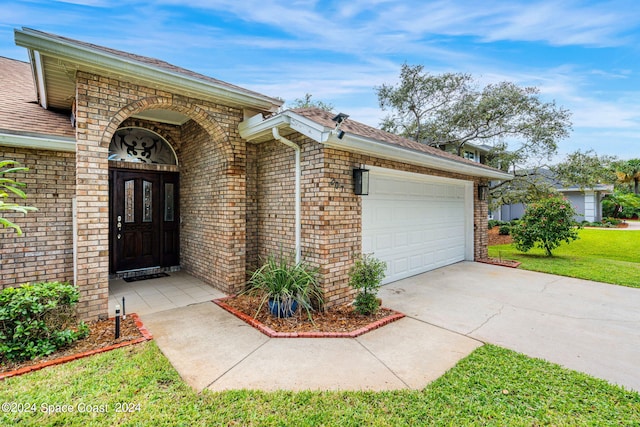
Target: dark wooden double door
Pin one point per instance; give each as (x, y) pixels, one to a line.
(145, 222)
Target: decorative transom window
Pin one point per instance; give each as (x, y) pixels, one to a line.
(140, 145)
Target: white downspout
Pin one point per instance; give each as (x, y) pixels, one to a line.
(278, 137)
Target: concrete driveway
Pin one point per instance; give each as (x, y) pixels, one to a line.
(587, 326)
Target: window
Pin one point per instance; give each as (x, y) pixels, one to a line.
(140, 146)
(470, 155)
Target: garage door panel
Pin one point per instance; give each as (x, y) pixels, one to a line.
(415, 224)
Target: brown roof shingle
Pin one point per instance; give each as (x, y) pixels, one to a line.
(156, 63)
(20, 112)
(350, 126)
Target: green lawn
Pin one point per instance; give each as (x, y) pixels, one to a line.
(609, 256)
(492, 386)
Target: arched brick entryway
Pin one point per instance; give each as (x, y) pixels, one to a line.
(213, 186)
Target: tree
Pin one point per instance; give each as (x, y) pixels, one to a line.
(621, 205)
(585, 169)
(449, 110)
(545, 224)
(9, 186)
(628, 172)
(306, 102)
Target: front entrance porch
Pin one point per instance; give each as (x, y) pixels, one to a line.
(179, 289)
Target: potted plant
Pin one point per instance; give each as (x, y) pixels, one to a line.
(285, 285)
(365, 275)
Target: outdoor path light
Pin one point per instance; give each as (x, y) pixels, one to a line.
(117, 321)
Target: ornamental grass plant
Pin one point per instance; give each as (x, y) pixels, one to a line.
(286, 281)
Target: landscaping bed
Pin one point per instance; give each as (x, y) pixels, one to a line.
(332, 322)
(101, 338)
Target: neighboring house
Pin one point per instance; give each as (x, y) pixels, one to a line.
(474, 152)
(137, 166)
(587, 202)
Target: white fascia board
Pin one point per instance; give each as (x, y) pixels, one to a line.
(38, 79)
(38, 142)
(375, 148)
(256, 127)
(112, 63)
(597, 187)
(309, 128)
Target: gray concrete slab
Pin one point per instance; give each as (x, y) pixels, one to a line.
(417, 352)
(588, 326)
(202, 341)
(583, 325)
(310, 364)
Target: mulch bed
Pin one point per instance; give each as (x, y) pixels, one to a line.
(341, 321)
(101, 338)
(496, 239)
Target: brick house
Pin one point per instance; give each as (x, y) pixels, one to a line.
(137, 165)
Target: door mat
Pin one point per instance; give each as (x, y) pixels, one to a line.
(144, 277)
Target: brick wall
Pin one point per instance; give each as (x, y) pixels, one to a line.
(237, 202)
(45, 251)
(331, 213)
(208, 147)
(213, 211)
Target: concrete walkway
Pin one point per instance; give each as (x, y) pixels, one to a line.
(586, 326)
(213, 349)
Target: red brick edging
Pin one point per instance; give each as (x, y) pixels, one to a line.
(274, 334)
(501, 263)
(146, 336)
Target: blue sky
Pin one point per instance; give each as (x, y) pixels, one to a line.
(582, 54)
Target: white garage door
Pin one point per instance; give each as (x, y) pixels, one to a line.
(416, 223)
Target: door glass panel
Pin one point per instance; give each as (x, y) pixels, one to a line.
(140, 146)
(129, 201)
(168, 202)
(147, 209)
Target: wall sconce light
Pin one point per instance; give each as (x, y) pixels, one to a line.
(361, 181)
(483, 192)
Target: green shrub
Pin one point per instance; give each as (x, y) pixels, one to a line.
(504, 230)
(546, 224)
(38, 319)
(621, 205)
(365, 275)
(496, 223)
(611, 221)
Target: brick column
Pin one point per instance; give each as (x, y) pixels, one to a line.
(92, 200)
(480, 223)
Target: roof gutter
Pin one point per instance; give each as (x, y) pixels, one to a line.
(298, 195)
(38, 142)
(104, 61)
(257, 128)
(360, 144)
